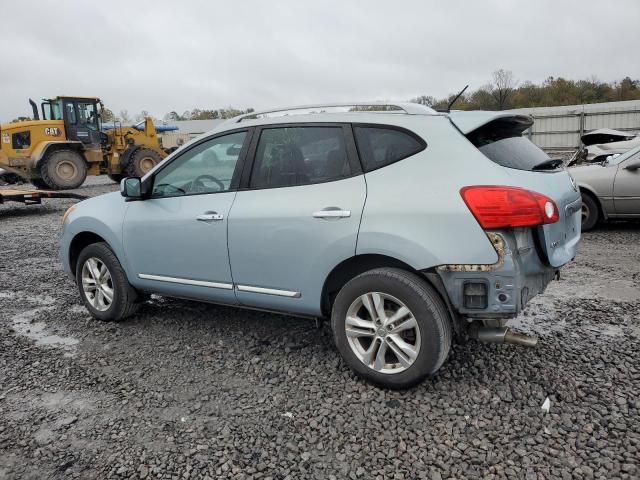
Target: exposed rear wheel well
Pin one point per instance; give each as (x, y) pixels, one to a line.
(79, 242)
(351, 268)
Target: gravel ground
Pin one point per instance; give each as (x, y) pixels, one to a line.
(187, 390)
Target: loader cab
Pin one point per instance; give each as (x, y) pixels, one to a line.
(81, 116)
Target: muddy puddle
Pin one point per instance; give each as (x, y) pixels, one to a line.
(29, 324)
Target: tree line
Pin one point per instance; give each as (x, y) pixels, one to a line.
(196, 114)
(504, 92)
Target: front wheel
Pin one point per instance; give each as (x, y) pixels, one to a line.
(391, 327)
(103, 284)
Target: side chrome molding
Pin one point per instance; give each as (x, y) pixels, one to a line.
(186, 281)
(224, 286)
(268, 291)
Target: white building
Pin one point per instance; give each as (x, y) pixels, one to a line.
(187, 130)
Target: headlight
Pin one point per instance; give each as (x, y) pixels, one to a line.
(67, 213)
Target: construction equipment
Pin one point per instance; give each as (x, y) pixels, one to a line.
(34, 197)
(58, 151)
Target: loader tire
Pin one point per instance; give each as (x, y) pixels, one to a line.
(63, 169)
(141, 161)
(39, 183)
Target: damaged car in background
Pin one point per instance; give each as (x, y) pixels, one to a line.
(610, 188)
(403, 226)
(602, 143)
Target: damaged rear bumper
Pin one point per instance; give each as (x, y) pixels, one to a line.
(501, 290)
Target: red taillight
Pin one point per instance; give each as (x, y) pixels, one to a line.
(500, 207)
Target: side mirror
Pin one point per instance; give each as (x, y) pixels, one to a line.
(131, 187)
(633, 166)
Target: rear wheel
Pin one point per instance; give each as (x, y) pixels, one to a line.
(142, 160)
(63, 169)
(590, 212)
(391, 327)
(103, 284)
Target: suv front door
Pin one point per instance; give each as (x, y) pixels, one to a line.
(176, 241)
(297, 215)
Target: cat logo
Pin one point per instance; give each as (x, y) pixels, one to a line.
(52, 131)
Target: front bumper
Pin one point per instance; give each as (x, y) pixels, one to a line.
(517, 277)
(64, 246)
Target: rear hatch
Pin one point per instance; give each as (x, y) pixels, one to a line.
(498, 135)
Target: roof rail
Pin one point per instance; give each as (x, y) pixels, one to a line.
(404, 107)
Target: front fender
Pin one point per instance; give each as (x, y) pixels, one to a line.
(102, 216)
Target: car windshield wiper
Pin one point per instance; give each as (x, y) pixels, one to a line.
(550, 164)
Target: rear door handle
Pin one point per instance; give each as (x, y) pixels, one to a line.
(332, 212)
(210, 217)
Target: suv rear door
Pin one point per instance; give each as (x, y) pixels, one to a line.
(499, 137)
(297, 215)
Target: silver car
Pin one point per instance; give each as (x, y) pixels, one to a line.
(404, 226)
(610, 189)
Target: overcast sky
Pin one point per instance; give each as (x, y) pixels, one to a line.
(161, 56)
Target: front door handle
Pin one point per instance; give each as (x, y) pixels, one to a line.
(332, 212)
(210, 217)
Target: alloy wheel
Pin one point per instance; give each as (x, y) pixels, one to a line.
(382, 332)
(97, 284)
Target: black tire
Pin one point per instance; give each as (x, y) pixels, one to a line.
(63, 170)
(141, 161)
(428, 309)
(590, 212)
(39, 183)
(116, 177)
(124, 298)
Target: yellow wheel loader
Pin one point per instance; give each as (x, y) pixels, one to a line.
(60, 149)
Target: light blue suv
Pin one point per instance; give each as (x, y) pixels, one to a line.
(401, 224)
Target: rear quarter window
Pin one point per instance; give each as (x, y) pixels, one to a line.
(382, 146)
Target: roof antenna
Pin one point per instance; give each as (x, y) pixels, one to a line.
(456, 98)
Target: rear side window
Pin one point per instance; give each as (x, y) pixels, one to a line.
(290, 156)
(379, 146)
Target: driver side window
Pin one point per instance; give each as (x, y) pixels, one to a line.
(205, 168)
